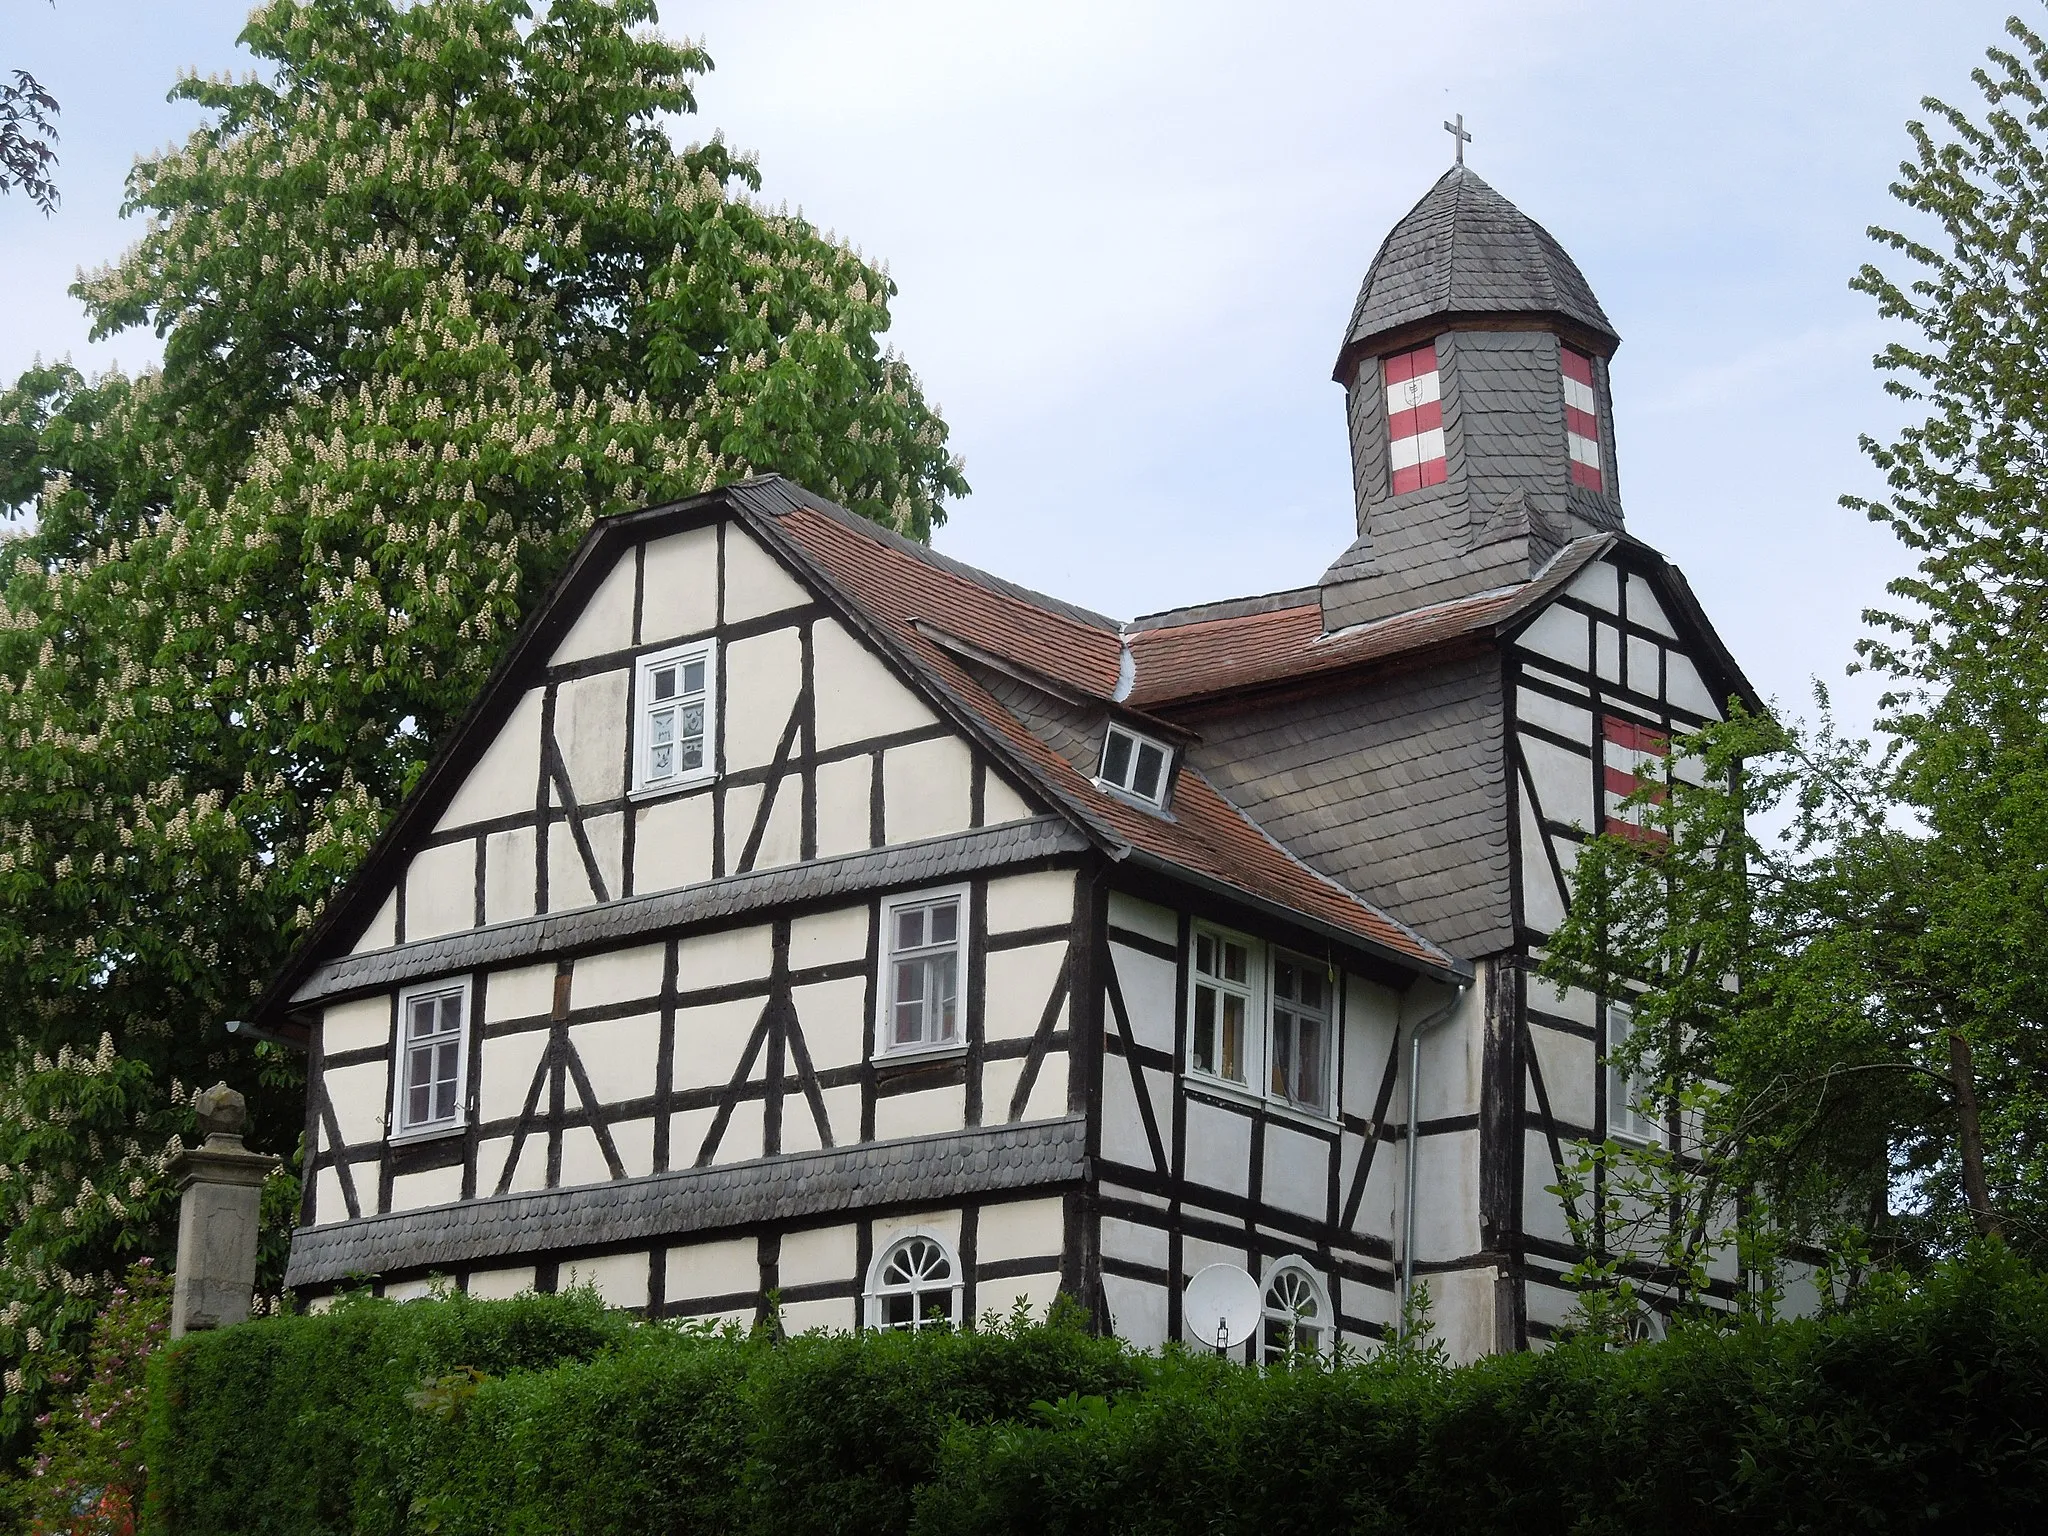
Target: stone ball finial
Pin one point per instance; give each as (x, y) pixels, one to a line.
(220, 1110)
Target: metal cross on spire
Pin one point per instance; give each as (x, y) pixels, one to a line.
(1457, 131)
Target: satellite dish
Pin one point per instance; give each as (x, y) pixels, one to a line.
(1222, 1306)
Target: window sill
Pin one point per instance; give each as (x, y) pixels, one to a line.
(639, 794)
(1281, 1109)
(920, 1055)
(426, 1133)
(1631, 1139)
(1135, 800)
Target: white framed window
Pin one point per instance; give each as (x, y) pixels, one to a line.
(914, 1283)
(1302, 1032)
(1135, 764)
(1631, 1109)
(677, 717)
(1298, 1322)
(1224, 1031)
(432, 1078)
(924, 961)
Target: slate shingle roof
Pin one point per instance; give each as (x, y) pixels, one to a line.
(1466, 250)
(867, 1177)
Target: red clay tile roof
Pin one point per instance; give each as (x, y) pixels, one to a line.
(1182, 662)
(900, 587)
(1206, 835)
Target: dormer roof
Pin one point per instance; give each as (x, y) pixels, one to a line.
(1466, 252)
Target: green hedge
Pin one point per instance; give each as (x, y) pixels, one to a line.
(550, 1414)
(1926, 1411)
(547, 1414)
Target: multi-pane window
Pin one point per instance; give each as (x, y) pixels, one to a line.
(1135, 764)
(1262, 1020)
(1300, 1057)
(431, 1050)
(923, 965)
(1224, 996)
(1631, 1106)
(676, 689)
(916, 1285)
(1297, 1315)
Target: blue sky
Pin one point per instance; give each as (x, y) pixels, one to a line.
(1128, 236)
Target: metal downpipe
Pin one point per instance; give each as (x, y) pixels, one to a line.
(1420, 1028)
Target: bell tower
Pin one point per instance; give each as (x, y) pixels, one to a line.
(1475, 380)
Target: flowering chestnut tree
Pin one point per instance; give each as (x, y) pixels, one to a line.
(436, 288)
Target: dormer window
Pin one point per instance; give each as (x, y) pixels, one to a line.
(1581, 419)
(1134, 764)
(1415, 419)
(677, 693)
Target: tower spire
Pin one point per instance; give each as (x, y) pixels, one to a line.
(1457, 131)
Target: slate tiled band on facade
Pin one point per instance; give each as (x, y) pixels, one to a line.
(905, 864)
(826, 1184)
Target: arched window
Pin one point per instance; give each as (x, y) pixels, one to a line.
(915, 1283)
(1298, 1318)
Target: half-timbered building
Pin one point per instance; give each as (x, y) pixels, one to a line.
(801, 917)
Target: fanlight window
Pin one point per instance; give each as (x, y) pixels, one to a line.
(1297, 1323)
(916, 1285)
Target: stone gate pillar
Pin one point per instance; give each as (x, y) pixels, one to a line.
(221, 1185)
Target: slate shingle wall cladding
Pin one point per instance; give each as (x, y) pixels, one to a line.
(618, 922)
(834, 1183)
(1504, 433)
(1069, 729)
(1398, 790)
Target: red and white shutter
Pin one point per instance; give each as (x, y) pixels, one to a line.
(1581, 419)
(1632, 756)
(1415, 419)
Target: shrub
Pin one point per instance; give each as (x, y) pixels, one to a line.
(86, 1474)
(1924, 1407)
(1921, 1410)
(550, 1414)
(294, 1426)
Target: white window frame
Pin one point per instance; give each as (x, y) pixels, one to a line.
(885, 979)
(1252, 990)
(1274, 1003)
(644, 709)
(1325, 1324)
(876, 1292)
(401, 1128)
(1139, 741)
(1261, 967)
(1626, 1090)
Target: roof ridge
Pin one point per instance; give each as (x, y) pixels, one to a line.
(1245, 607)
(903, 544)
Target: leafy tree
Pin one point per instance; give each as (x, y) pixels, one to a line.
(87, 1476)
(1870, 988)
(435, 290)
(28, 138)
(28, 135)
